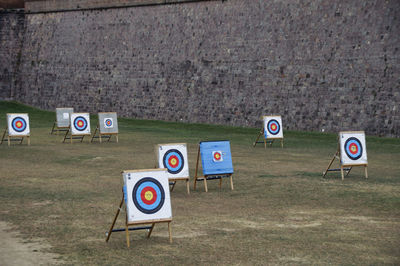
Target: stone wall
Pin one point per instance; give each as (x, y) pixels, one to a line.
(322, 65)
(11, 36)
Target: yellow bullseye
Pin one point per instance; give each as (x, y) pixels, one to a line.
(148, 195)
(173, 161)
(19, 124)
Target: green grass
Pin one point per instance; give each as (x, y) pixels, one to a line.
(281, 212)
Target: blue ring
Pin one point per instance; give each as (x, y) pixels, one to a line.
(179, 167)
(278, 127)
(18, 119)
(76, 120)
(108, 119)
(137, 200)
(357, 142)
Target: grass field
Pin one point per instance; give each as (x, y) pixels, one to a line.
(281, 212)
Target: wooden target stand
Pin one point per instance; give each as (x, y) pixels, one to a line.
(103, 135)
(343, 167)
(73, 136)
(11, 138)
(56, 129)
(270, 141)
(145, 225)
(209, 177)
(172, 183)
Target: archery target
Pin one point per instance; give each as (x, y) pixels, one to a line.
(62, 116)
(18, 124)
(108, 122)
(216, 157)
(147, 195)
(174, 158)
(353, 148)
(273, 127)
(80, 123)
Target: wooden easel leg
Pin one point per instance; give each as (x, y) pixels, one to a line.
(100, 137)
(329, 166)
(170, 232)
(187, 186)
(197, 168)
(231, 179)
(366, 172)
(220, 183)
(173, 186)
(22, 139)
(341, 171)
(115, 218)
(29, 140)
(116, 137)
(348, 172)
(258, 137)
(82, 138)
(52, 130)
(65, 136)
(127, 230)
(2, 138)
(127, 235)
(9, 141)
(205, 184)
(265, 143)
(282, 143)
(151, 230)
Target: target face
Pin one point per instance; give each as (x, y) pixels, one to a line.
(147, 194)
(273, 127)
(62, 116)
(18, 124)
(108, 123)
(80, 124)
(173, 157)
(353, 149)
(217, 156)
(173, 160)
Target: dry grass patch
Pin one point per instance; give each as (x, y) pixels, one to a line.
(281, 211)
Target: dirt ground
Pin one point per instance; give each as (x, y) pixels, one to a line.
(14, 251)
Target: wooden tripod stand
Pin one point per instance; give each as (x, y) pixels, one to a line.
(127, 224)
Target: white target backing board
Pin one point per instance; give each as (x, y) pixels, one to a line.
(174, 158)
(353, 149)
(80, 124)
(273, 127)
(62, 115)
(18, 124)
(108, 123)
(146, 194)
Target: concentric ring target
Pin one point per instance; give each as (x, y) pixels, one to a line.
(80, 123)
(353, 148)
(273, 127)
(217, 156)
(108, 122)
(173, 160)
(148, 195)
(18, 124)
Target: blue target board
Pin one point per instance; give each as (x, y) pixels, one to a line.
(216, 157)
